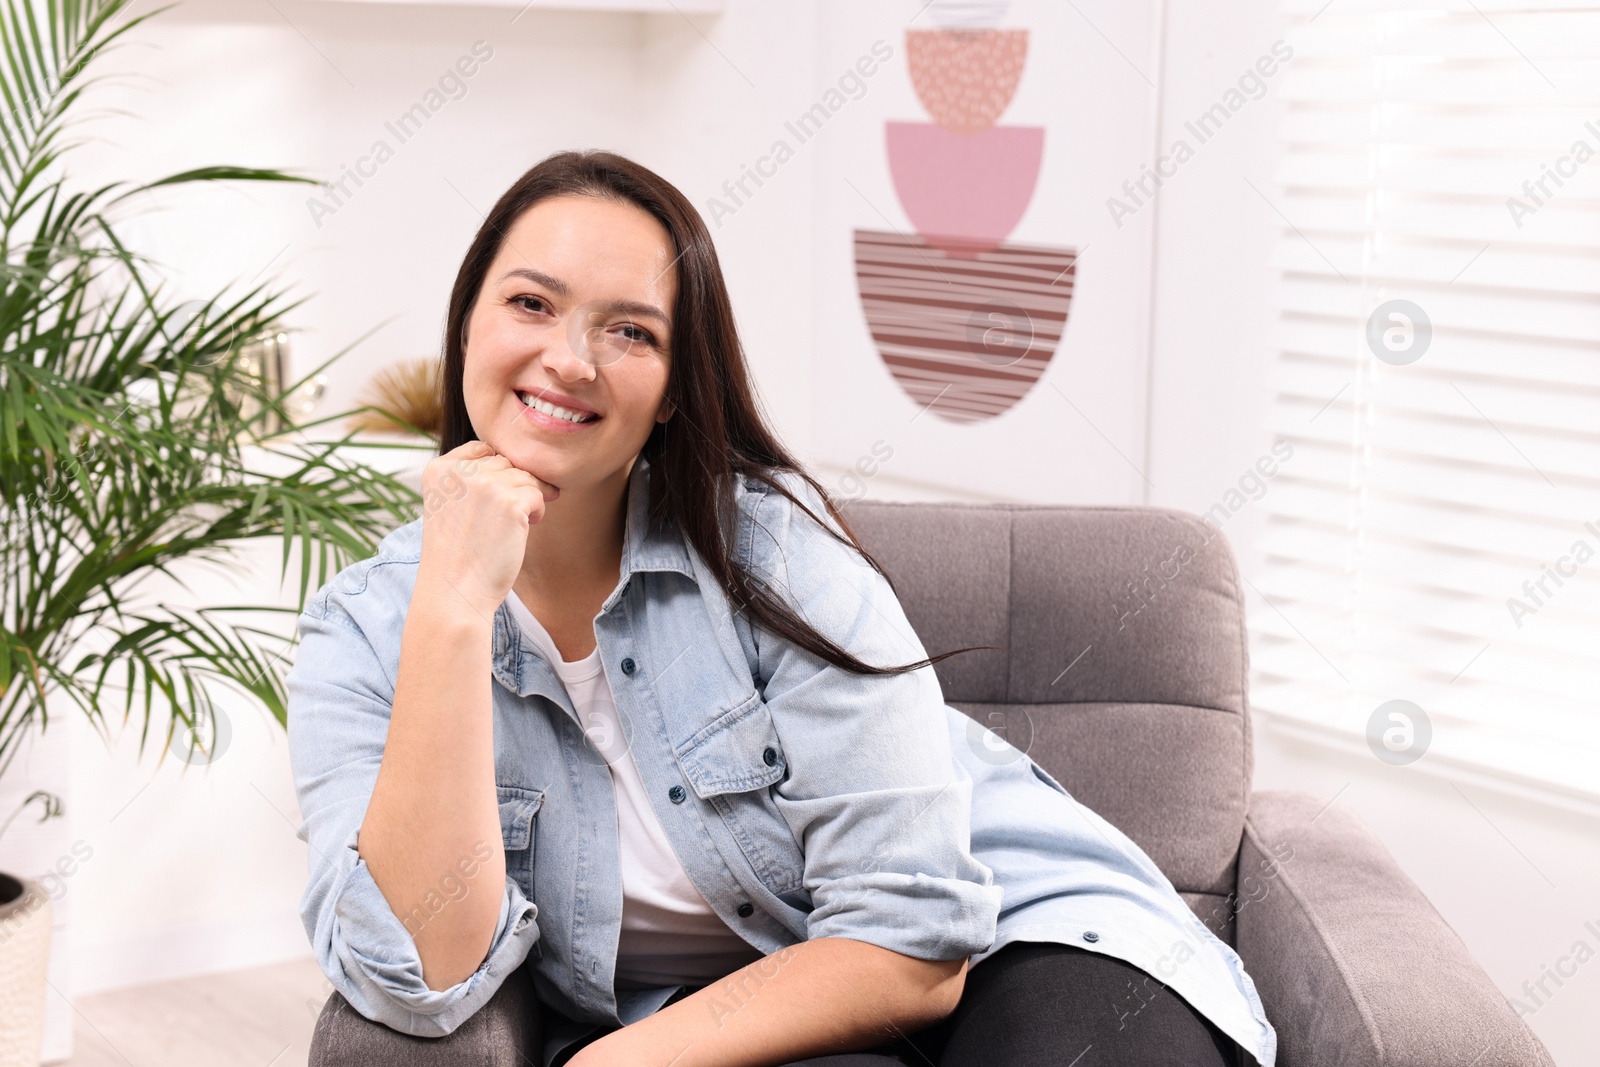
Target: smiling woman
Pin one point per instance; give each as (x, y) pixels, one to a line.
(593, 289)
(634, 647)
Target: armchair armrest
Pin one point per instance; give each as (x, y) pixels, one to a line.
(506, 1032)
(1353, 964)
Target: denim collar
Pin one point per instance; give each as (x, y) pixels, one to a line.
(661, 547)
(647, 548)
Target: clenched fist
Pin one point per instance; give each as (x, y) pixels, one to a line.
(476, 510)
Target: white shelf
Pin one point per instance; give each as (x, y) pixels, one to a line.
(626, 7)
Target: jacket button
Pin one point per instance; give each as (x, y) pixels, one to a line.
(1090, 936)
(627, 666)
(770, 756)
(676, 794)
(745, 911)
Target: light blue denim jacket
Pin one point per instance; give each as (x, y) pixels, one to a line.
(802, 800)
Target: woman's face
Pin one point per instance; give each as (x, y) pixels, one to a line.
(575, 308)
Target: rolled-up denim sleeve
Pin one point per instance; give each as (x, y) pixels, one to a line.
(340, 696)
(873, 794)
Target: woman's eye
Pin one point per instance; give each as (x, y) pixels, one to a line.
(643, 335)
(518, 300)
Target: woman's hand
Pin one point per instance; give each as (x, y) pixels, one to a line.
(476, 510)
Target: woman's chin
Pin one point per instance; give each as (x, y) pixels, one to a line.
(536, 459)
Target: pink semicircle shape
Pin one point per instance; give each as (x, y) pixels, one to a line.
(964, 193)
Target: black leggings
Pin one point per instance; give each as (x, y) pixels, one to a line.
(1037, 1003)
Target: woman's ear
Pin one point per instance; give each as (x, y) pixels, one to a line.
(666, 410)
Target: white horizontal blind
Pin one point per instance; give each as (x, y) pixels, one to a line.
(1422, 496)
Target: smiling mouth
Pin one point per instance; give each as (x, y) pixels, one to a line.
(555, 411)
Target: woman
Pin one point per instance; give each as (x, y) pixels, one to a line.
(628, 701)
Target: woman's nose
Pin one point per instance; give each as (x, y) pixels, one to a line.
(565, 354)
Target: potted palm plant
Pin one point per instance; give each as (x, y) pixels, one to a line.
(137, 431)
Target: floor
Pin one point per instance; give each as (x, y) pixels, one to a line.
(261, 1017)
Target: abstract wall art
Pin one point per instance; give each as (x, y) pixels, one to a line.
(965, 322)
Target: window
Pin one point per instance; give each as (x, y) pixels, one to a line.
(1436, 536)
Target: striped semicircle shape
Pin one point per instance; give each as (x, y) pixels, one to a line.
(965, 322)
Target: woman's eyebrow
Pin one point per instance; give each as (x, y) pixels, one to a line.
(632, 307)
(558, 287)
(539, 277)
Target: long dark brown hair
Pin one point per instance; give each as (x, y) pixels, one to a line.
(717, 432)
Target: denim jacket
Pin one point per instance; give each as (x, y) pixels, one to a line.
(802, 800)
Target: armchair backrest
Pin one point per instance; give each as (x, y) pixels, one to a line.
(1126, 661)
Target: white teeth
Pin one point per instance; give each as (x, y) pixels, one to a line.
(551, 409)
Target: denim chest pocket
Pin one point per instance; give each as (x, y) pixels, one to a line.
(519, 807)
(731, 763)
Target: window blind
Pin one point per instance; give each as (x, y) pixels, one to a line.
(1436, 536)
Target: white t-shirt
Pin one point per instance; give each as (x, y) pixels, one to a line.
(670, 935)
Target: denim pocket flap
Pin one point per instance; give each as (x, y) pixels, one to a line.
(735, 752)
(518, 806)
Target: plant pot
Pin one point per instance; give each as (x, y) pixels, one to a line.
(24, 960)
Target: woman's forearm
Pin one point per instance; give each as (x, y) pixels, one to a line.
(431, 836)
(820, 997)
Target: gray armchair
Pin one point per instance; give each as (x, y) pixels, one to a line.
(1125, 677)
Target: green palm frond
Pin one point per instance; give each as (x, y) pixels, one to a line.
(134, 434)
